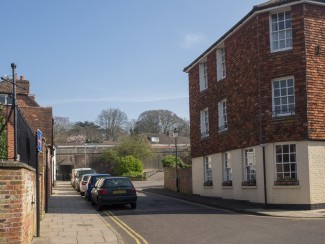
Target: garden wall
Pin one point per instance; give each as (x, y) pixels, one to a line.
(184, 176)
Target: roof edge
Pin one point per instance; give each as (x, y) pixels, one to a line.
(255, 10)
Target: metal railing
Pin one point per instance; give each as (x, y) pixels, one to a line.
(26, 141)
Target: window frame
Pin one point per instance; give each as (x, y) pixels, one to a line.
(203, 76)
(277, 31)
(222, 115)
(288, 88)
(221, 63)
(7, 98)
(207, 169)
(227, 170)
(204, 122)
(248, 176)
(286, 175)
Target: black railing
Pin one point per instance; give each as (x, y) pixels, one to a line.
(26, 141)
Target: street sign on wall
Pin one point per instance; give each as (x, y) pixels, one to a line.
(39, 140)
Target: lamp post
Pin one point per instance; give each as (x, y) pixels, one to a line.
(85, 155)
(13, 67)
(175, 135)
(13, 106)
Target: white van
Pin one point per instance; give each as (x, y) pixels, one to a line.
(73, 175)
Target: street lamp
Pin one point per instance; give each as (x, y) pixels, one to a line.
(14, 107)
(175, 135)
(85, 155)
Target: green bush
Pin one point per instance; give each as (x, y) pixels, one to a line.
(129, 164)
(170, 161)
(3, 138)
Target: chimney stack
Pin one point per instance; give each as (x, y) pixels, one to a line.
(22, 77)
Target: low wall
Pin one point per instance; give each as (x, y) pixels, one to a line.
(184, 176)
(17, 203)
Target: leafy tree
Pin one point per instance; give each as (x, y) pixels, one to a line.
(109, 160)
(89, 130)
(3, 139)
(112, 122)
(170, 161)
(129, 166)
(134, 145)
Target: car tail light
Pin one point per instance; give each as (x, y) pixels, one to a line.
(103, 192)
(84, 182)
(133, 190)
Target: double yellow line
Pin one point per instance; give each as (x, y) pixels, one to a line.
(138, 238)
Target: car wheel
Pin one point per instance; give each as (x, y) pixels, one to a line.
(82, 193)
(99, 205)
(133, 205)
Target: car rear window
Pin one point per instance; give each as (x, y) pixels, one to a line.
(85, 177)
(117, 182)
(83, 172)
(96, 177)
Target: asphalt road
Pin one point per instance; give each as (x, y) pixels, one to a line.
(160, 219)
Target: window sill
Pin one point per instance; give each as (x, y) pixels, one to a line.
(221, 131)
(221, 79)
(286, 183)
(203, 90)
(208, 183)
(281, 50)
(283, 116)
(227, 183)
(248, 183)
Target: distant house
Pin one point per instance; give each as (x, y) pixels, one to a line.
(257, 103)
(18, 170)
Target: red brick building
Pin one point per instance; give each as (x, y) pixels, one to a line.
(18, 204)
(257, 103)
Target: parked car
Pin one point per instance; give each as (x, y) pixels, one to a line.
(83, 184)
(91, 183)
(113, 190)
(73, 175)
(79, 174)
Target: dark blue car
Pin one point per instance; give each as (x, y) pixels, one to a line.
(91, 183)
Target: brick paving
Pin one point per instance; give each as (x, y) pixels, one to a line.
(71, 219)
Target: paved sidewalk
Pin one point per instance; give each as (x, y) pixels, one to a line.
(236, 206)
(71, 219)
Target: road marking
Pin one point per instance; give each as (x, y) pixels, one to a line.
(127, 228)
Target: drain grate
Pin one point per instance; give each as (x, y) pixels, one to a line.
(84, 225)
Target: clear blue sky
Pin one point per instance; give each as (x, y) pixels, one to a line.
(84, 56)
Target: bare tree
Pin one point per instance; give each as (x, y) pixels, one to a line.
(159, 121)
(62, 126)
(184, 127)
(113, 122)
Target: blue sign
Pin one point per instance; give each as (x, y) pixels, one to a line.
(39, 140)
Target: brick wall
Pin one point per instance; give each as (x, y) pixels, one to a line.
(250, 68)
(315, 35)
(184, 176)
(17, 203)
